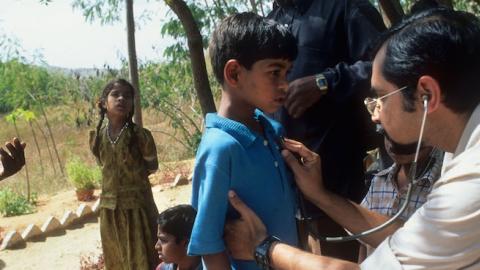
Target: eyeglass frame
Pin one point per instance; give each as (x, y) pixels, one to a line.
(367, 101)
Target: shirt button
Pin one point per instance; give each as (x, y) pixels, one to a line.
(265, 142)
(276, 163)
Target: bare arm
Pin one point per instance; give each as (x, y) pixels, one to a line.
(244, 234)
(285, 257)
(218, 261)
(348, 214)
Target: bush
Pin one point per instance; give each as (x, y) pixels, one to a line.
(81, 175)
(14, 204)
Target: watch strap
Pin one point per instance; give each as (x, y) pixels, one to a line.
(261, 252)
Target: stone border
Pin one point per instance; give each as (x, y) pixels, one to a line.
(13, 239)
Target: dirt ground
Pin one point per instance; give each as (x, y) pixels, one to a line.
(63, 251)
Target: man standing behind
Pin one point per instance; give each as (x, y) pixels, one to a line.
(324, 106)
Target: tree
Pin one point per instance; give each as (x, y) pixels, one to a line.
(132, 60)
(195, 45)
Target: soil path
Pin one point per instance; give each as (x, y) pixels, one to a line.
(64, 251)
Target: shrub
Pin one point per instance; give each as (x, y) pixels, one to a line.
(14, 204)
(81, 175)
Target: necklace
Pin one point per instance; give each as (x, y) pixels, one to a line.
(118, 136)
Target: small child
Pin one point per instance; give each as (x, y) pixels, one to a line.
(127, 155)
(174, 230)
(240, 147)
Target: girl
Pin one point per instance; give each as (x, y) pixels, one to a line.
(127, 155)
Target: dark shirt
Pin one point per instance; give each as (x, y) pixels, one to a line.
(333, 38)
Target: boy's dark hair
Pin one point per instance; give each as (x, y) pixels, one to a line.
(422, 5)
(102, 111)
(441, 43)
(248, 38)
(178, 221)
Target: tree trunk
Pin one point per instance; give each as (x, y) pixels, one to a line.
(448, 3)
(254, 6)
(393, 11)
(53, 139)
(132, 62)
(26, 166)
(195, 46)
(38, 148)
(48, 146)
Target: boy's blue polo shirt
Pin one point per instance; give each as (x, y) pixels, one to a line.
(231, 156)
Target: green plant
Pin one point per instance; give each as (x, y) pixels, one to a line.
(81, 175)
(14, 204)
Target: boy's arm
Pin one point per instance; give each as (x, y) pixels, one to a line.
(217, 261)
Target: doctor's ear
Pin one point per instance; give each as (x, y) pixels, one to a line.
(430, 91)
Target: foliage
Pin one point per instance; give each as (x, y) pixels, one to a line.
(14, 204)
(81, 175)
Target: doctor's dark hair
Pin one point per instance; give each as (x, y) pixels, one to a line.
(441, 43)
(178, 221)
(248, 38)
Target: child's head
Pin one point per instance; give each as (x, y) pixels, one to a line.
(117, 102)
(117, 99)
(252, 55)
(174, 229)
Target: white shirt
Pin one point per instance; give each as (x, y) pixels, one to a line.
(445, 232)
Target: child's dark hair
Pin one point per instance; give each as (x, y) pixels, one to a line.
(248, 38)
(100, 105)
(178, 221)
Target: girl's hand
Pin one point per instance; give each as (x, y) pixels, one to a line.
(307, 169)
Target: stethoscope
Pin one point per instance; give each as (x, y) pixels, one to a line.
(412, 174)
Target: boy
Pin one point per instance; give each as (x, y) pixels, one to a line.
(174, 229)
(240, 147)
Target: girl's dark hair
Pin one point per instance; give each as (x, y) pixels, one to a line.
(441, 43)
(100, 105)
(178, 221)
(248, 38)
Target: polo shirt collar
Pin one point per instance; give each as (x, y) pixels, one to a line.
(238, 130)
(466, 138)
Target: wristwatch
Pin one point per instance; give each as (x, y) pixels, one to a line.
(261, 252)
(322, 83)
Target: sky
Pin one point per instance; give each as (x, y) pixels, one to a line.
(66, 40)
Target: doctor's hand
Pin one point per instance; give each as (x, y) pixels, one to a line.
(13, 159)
(302, 94)
(244, 234)
(307, 169)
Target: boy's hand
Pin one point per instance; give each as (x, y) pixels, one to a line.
(307, 171)
(302, 94)
(244, 234)
(13, 160)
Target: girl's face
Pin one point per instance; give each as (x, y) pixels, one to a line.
(119, 102)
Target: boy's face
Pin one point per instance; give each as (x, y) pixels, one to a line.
(265, 85)
(168, 249)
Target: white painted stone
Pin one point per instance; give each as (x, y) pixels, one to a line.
(68, 218)
(51, 225)
(179, 181)
(83, 210)
(12, 238)
(96, 206)
(31, 231)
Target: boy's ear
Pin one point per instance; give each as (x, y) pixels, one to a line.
(231, 72)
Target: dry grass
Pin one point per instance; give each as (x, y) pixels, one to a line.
(71, 141)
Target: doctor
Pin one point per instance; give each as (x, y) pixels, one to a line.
(436, 55)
